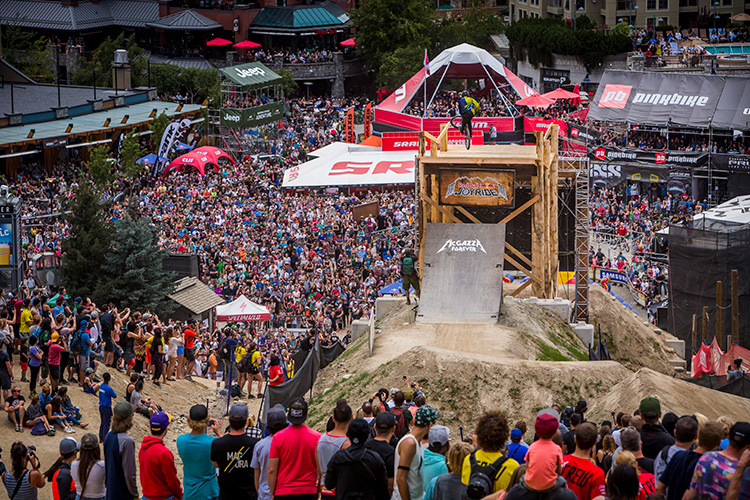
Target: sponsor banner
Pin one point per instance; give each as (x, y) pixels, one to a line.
(409, 141)
(251, 117)
(505, 124)
(614, 276)
(531, 125)
(582, 132)
(485, 188)
(461, 246)
(349, 134)
(733, 109)
(647, 158)
(711, 359)
(368, 120)
(662, 99)
(731, 162)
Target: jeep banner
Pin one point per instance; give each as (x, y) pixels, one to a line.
(662, 99)
(485, 188)
(251, 117)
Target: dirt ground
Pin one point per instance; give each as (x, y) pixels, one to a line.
(176, 399)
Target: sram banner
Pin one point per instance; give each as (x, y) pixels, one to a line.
(531, 125)
(480, 123)
(409, 141)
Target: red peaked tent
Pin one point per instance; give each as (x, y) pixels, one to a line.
(199, 158)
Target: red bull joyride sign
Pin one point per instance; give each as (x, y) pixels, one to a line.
(483, 188)
(252, 117)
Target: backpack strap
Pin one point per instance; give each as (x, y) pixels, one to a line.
(497, 467)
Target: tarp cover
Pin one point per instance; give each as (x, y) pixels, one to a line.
(666, 99)
(342, 164)
(251, 75)
(242, 309)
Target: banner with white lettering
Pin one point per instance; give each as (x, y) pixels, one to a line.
(658, 99)
(251, 117)
(648, 158)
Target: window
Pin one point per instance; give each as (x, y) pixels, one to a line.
(663, 4)
(555, 3)
(726, 3)
(651, 4)
(688, 3)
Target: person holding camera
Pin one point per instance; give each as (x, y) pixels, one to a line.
(200, 482)
(21, 483)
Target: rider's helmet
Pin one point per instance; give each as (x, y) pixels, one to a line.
(465, 93)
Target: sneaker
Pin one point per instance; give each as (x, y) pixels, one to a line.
(250, 396)
(157, 384)
(260, 395)
(69, 430)
(18, 428)
(189, 378)
(24, 379)
(83, 426)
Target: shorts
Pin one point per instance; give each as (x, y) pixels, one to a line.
(128, 356)
(410, 280)
(180, 350)
(54, 372)
(109, 345)
(189, 354)
(16, 327)
(83, 362)
(24, 366)
(4, 381)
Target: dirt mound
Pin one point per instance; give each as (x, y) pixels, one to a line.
(630, 340)
(678, 396)
(176, 399)
(460, 385)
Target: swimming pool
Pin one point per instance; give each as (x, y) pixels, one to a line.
(725, 48)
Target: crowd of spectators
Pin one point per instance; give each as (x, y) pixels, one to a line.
(679, 140)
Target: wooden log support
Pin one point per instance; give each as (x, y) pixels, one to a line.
(735, 310)
(553, 212)
(704, 333)
(515, 213)
(694, 334)
(443, 137)
(718, 314)
(538, 244)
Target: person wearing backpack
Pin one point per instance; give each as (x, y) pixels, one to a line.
(409, 277)
(409, 454)
(402, 415)
(488, 470)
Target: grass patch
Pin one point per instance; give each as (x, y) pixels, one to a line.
(549, 353)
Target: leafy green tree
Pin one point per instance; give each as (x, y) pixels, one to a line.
(166, 78)
(158, 125)
(288, 83)
(100, 166)
(198, 83)
(384, 26)
(28, 53)
(401, 64)
(132, 268)
(103, 58)
(621, 28)
(129, 153)
(84, 249)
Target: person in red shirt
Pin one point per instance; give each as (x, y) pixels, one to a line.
(584, 478)
(275, 373)
(159, 479)
(293, 464)
(56, 346)
(189, 335)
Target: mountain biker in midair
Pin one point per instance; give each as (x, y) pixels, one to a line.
(467, 108)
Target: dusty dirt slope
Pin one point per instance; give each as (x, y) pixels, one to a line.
(678, 396)
(176, 399)
(630, 340)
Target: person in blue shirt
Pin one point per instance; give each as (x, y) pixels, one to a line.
(106, 395)
(517, 448)
(84, 357)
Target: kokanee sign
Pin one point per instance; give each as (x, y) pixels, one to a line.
(484, 188)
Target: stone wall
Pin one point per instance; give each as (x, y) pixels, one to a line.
(571, 63)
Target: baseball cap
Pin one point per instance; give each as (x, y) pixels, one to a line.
(739, 434)
(239, 411)
(358, 431)
(408, 394)
(160, 421)
(439, 434)
(516, 434)
(298, 411)
(276, 417)
(550, 411)
(94, 314)
(89, 371)
(425, 416)
(385, 420)
(650, 407)
(545, 425)
(69, 445)
(89, 441)
(54, 337)
(198, 412)
(123, 409)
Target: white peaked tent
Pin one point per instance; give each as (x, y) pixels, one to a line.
(241, 309)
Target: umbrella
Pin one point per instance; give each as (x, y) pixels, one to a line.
(218, 42)
(246, 44)
(349, 42)
(535, 101)
(151, 159)
(181, 146)
(561, 93)
(740, 17)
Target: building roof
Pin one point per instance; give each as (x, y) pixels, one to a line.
(185, 20)
(195, 296)
(35, 98)
(183, 62)
(53, 15)
(254, 75)
(301, 17)
(92, 122)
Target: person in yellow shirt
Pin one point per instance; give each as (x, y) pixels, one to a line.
(27, 318)
(490, 436)
(254, 371)
(239, 353)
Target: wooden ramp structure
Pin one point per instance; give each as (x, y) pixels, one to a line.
(455, 186)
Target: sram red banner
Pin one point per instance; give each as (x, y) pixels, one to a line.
(504, 124)
(409, 141)
(531, 125)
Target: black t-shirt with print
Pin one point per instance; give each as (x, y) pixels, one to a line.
(233, 454)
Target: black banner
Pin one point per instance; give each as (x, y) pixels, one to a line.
(648, 158)
(582, 133)
(730, 162)
(665, 99)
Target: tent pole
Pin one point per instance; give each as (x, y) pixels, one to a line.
(502, 96)
(438, 86)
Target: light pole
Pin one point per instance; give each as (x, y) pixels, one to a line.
(575, 8)
(716, 4)
(630, 16)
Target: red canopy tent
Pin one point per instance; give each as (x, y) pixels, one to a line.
(218, 42)
(535, 101)
(349, 42)
(246, 44)
(561, 93)
(199, 158)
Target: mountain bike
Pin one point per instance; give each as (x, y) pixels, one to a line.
(466, 133)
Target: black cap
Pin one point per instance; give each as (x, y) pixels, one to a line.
(297, 411)
(358, 431)
(385, 420)
(739, 434)
(198, 412)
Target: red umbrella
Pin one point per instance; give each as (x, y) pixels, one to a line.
(246, 44)
(218, 42)
(561, 93)
(349, 42)
(535, 101)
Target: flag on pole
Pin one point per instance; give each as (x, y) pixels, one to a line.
(426, 64)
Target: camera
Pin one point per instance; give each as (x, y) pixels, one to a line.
(211, 423)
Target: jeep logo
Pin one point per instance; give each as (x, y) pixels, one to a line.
(232, 118)
(244, 73)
